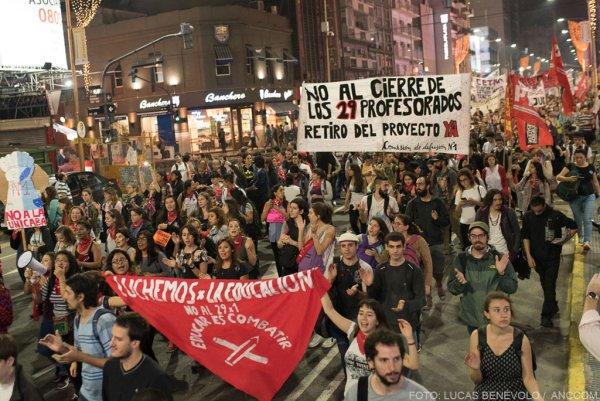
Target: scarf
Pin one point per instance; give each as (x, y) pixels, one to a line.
(135, 226)
(84, 245)
(238, 240)
(112, 232)
(360, 340)
(171, 217)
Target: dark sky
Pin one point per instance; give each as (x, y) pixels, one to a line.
(546, 11)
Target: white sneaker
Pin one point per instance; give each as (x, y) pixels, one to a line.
(315, 341)
(328, 343)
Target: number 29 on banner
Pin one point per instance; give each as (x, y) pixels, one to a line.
(347, 109)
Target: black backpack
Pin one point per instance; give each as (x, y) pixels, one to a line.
(517, 342)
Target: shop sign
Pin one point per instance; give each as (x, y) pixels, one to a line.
(213, 97)
(266, 94)
(160, 103)
(444, 21)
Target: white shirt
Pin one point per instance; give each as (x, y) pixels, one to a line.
(496, 237)
(291, 192)
(6, 391)
(492, 178)
(589, 332)
(132, 157)
(182, 169)
(356, 361)
(377, 209)
(467, 215)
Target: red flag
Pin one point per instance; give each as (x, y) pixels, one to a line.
(251, 333)
(557, 71)
(533, 131)
(509, 99)
(582, 88)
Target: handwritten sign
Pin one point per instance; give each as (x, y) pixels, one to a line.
(397, 114)
(232, 326)
(161, 238)
(24, 207)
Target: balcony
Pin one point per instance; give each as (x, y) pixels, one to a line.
(408, 31)
(407, 7)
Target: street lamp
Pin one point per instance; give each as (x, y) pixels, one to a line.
(560, 20)
(498, 40)
(513, 45)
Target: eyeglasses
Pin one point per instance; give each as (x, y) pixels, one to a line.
(119, 261)
(477, 236)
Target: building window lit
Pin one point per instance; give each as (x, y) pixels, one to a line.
(157, 74)
(249, 60)
(118, 77)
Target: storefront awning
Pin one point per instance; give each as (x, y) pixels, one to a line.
(223, 54)
(283, 108)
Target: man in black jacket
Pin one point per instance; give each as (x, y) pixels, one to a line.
(15, 385)
(431, 215)
(544, 232)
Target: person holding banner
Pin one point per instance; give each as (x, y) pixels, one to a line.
(370, 318)
(293, 229)
(244, 246)
(229, 266)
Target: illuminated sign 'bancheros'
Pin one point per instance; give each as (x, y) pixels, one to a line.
(160, 103)
(212, 97)
(444, 21)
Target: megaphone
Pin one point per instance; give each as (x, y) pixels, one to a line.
(26, 260)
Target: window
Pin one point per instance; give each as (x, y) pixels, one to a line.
(249, 60)
(157, 74)
(118, 77)
(222, 69)
(269, 62)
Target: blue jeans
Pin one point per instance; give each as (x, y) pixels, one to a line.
(583, 211)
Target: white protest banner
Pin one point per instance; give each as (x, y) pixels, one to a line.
(395, 114)
(24, 207)
(485, 89)
(533, 90)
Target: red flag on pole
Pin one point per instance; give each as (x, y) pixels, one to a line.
(241, 330)
(509, 99)
(582, 88)
(557, 71)
(533, 131)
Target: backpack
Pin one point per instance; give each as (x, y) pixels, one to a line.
(363, 389)
(517, 341)
(99, 312)
(386, 204)
(409, 251)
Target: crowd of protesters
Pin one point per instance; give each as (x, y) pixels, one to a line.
(407, 216)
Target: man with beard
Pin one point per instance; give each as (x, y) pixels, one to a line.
(384, 351)
(431, 215)
(130, 370)
(379, 203)
(478, 271)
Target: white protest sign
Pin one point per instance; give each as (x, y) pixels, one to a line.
(24, 207)
(485, 89)
(396, 114)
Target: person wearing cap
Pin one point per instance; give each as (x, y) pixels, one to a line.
(579, 142)
(345, 286)
(478, 271)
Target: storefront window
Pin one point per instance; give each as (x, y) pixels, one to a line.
(247, 125)
(276, 120)
(204, 127)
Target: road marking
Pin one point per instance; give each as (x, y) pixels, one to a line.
(8, 256)
(308, 379)
(332, 387)
(577, 354)
(43, 372)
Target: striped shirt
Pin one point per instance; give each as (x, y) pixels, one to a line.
(86, 342)
(59, 306)
(63, 190)
(585, 122)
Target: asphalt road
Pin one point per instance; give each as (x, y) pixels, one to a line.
(318, 376)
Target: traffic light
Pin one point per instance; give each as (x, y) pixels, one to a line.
(133, 74)
(177, 119)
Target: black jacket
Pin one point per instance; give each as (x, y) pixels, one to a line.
(24, 389)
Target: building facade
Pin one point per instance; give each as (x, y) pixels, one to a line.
(451, 21)
(237, 78)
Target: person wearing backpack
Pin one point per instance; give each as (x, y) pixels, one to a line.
(500, 358)
(473, 277)
(92, 322)
(416, 251)
(396, 284)
(379, 203)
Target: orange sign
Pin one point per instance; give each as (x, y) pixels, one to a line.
(161, 238)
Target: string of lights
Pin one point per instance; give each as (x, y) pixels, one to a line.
(85, 11)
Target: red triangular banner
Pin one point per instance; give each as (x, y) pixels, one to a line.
(557, 71)
(251, 333)
(533, 131)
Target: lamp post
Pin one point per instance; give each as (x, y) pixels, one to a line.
(75, 86)
(185, 32)
(591, 7)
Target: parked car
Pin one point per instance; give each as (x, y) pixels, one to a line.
(80, 180)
